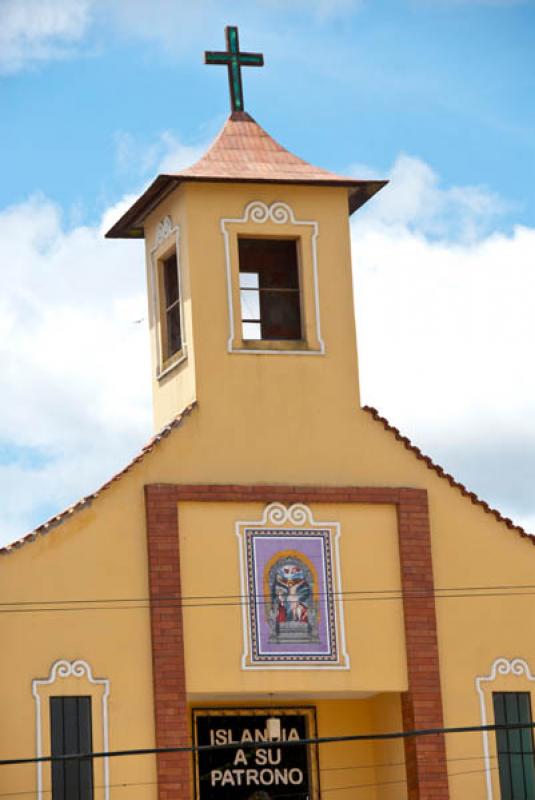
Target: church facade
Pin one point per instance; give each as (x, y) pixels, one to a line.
(279, 566)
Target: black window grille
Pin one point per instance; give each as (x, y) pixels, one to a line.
(269, 289)
(516, 762)
(70, 722)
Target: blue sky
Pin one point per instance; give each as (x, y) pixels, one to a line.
(97, 96)
(344, 83)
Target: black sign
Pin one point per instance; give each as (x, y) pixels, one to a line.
(246, 772)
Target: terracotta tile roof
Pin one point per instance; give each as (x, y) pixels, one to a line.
(242, 152)
(243, 149)
(53, 522)
(443, 474)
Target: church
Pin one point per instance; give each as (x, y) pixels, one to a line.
(280, 596)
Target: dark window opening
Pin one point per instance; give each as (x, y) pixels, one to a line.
(172, 337)
(70, 723)
(516, 760)
(269, 289)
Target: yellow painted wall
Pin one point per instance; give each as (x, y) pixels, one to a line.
(263, 419)
(48, 593)
(347, 769)
(374, 630)
(389, 753)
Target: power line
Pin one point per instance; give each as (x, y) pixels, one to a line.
(365, 737)
(392, 764)
(392, 783)
(128, 784)
(46, 606)
(246, 597)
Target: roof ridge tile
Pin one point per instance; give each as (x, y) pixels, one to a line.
(58, 519)
(441, 472)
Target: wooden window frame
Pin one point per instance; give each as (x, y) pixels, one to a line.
(288, 341)
(165, 246)
(276, 221)
(168, 359)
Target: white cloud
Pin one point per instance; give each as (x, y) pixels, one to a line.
(447, 327)
(35, 31)
(178, 26)
(115, 212)
(40, 30)
(414, 200)
(166, 154)
(75, 364)
(176, 155)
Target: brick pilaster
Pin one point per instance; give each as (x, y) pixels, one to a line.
(170, 708)
(425, 756)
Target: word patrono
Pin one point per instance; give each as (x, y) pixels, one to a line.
(257, 777)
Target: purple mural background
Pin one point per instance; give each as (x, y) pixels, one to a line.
(262, 547)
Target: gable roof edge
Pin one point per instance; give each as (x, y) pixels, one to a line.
(441, 472)
(84, 502)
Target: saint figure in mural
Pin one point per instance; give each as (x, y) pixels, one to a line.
(292, 614)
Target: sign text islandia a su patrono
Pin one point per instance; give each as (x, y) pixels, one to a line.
(252, 773)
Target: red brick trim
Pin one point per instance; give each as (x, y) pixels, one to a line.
(170, 707)
(427, 776)
(425, 756)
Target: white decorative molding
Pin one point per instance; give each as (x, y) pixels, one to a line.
(502, 667)
(276, 212)
(281, 214)
(164, 232)
(277, 514)
(296, 516)
(164, 229)
(71, 669)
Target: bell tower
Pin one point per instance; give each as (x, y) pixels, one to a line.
(249, 274)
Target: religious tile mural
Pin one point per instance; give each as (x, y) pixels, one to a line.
(293, 616)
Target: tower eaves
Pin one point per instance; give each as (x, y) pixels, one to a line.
(242, 152)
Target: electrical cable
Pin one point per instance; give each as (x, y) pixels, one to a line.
(246, 597)
(12, 608)
(125, 785)
(365, 737)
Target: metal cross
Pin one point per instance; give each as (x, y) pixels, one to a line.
(234, 60)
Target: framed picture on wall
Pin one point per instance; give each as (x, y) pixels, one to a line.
(293, 613)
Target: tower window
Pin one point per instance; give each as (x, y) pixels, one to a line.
(269, 289)
(516, 759)
(170, 311)
(70, 722)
